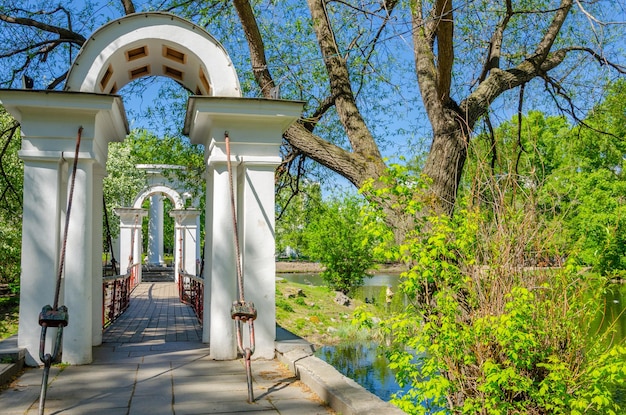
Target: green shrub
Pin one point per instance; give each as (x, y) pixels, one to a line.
(338, 240)
(483, 335)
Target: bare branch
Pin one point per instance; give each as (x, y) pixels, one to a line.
(492, 141)
(520, 106)
(129, 7)
(602, 60)
(24, 49)
(256, 47)
(57, 81)
(62, 32)
(321, 109)
(495, 45)
(10, 133)
(359, 135)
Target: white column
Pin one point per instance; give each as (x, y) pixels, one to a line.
(50, 122)
(78, 292)
(155, 231)
(208, 255)
(198, 245)
(96, 311)
(40, 247)
(130, 236)
(190, 241)
(186, 231)
(178, 249)
(256, 127)
(223, 273)
(259, 266)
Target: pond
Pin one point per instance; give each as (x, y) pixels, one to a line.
(361, 362)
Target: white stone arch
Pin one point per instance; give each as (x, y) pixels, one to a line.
(186, 230)
(153, 44)
(171, 194)
(49, 124)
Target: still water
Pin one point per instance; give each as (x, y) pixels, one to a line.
(361, 362)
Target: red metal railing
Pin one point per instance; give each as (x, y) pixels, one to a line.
(116, 294)
(191, 291)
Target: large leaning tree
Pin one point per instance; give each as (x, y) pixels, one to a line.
(470, 61)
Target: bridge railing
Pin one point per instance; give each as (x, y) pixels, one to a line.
(191, 291)
(116, 292)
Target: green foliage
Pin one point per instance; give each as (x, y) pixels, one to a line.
(11, 183)
(576, 174)
(124, 181)
(336, 237)
(294, 211)
(284, 305)
(9, 310)
(495, 337)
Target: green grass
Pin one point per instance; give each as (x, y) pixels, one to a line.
(315, 316)
(9, 310)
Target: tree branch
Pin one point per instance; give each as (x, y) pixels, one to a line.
(358, 134)
(129, 7)
(9, 132)
(543, 48)
(495, 45)
(56, 81)
(62, 32)
(425, 65)
(445, 47)
(256, 47)
(349, 165)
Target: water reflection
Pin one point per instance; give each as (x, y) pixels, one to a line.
(614, 313)
(361, 362)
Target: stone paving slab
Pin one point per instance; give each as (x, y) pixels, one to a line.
(194, 385)
(147, 367)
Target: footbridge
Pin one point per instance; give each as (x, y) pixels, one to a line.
(152, 360)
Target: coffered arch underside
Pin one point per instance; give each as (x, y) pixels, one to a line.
(153, 44)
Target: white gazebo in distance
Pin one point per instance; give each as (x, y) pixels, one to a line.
(138, 45)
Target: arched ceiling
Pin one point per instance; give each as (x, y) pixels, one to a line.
(153, 44)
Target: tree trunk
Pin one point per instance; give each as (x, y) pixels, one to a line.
(444, 166)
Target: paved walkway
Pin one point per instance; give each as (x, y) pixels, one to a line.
(152, 362)
(155, 314)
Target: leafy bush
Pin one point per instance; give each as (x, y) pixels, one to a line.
(337, 239)
(494, 337)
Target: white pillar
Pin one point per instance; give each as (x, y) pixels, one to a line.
(40, 247)
(155, 231)
(208, 255)
(178, 250)
(256, 127)
(96, 312)
(78, 284)
(259, 263)
(222, 273)
(130, 236)
(198, 245)
(49, 123)
(186, 233)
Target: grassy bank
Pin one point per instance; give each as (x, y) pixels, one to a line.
(9, 308)
(312, 313)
